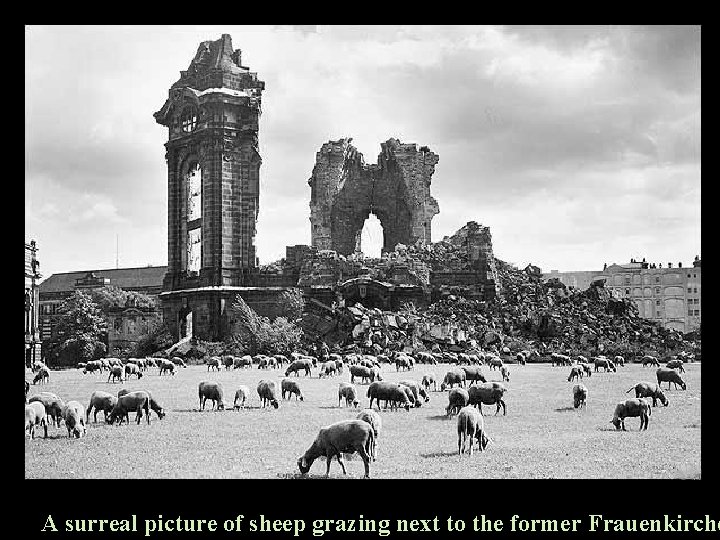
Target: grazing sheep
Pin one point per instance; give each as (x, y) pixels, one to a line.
(403, 361)
(372, 418)
(576, 372)
(586, 368)
(53, 406)
(488, 394)
(154, 405)
(649, 360)
(470, 424)
(676, 363)
(388, 392)
(452, 377)
(424, 357)
(101, 401)
(213, 391)
(42, 376)
(92, 366)
(116, 372)
(168, 366)
(670, 376)
(418, 391)
(213, 363)
(281, 359)
(137, 401)
(505, 372)
(344, 437)
(268, 394)
(227, 361)
(241, 395)
(376, 374)
(429, 379)
(242, 362)
(632, 407)
(580, 393)
(457, 399)
(178, 361)
(327, 369)
(35, 416)
(494, 362)
(619, 360)
(474, 374)
(408, 393)
(74, 416)
(132, 369)
(362, 372)
(521, 357)
(347, 391)
(605, 363)
(267, 362)
(288, 387)
(302, 364)
(644, 389)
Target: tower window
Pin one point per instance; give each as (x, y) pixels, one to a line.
(188, 121)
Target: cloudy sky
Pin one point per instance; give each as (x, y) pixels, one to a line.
(576, 145)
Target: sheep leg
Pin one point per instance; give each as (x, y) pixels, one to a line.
(342, 464)
(327, 471)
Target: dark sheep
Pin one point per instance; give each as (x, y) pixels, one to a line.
(631, 408)
(669, 375)
(241, 395)
(418, 391)
(649, 360)
(132, 369)
(494, 362)
(619, 360)
(242, 361)
(645, 389)
(452, 377)
(289, 388)
(347, 391)
(605, 363)
(362, 372)
(473, 374)
(168, 366)
(457, 399)
(576, 372)
(487, 394)
(470, 424)
(178, 361)
(388, 392)
(676, 363)
(227, 361)
(42, 376)
(505, 372)
(586, 368)
(213, 391)
(154, 405)
(344, 437)
(213, 363)
(116, 373)
(101, 401)
(328, 368)
(302, 364)
(53, 405)
(427, 380)
(580, 393)
(268, 394)
(138, 401)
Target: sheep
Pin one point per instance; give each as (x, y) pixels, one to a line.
(213, 363)
(116, 372)
(580, 393)
(376, 374)
(644, 389)
(328, 368)
(344, 437)
(268, 394)
(303, 364)
(424, 357)
(470, 424)
(676, 363)
(42, 376)
(132, 401)
(74, 417)
(132, 369)
(473, 374)
(100, 401)
(576, 372)
(281, 359)
(417, 391)
(167, 365)
(605, 363)
(505, 372)
(457, 399)
(429, 379)
(266, 362)
(521, 357)
(213, 391)
(561, 359)
(372, 418)
(178, 361)
(403, 361)
(242, 362)
(488, 394)
(227, 361)
(347, 391)
(288, 387)
(649, 360)
(453, 376)
(632, 407)
(619, 360)
(408, 393)
(35, 416)
(241, 395)
(53, 405)
(27, 389)
(388, 392)
(494, 362)
(362, 372)
(670, 376)
(91, 366)
(154, 405)
(586, 368)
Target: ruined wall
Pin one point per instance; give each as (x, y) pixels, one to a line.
(345, 191)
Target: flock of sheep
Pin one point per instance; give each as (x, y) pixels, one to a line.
(468, 390)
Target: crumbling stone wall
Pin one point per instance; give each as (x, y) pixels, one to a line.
(345, 191)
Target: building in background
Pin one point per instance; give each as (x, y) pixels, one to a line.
(669, 295)
(126, 323)
(32, 333)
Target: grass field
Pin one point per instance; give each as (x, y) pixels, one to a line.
(542, 436)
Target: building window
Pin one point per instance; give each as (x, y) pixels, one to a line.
(694, 275)
(188, 120)
(695, 290)
(627, 280)
(689, 290)
(627, 292)
(657, 302)
(657, 279)
(657, 290)
(690, 312)
(688, 275)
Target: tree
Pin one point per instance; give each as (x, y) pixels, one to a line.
(292, 304)
(80, 333)
(158, 339)
(257, 334)
(113, 296)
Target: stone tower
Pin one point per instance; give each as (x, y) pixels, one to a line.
(212, 114)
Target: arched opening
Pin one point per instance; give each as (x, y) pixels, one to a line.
(185, 325)
(372, 238)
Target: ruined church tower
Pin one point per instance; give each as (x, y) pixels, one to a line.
(212, 114)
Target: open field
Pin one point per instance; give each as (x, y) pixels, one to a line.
(542, 436)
